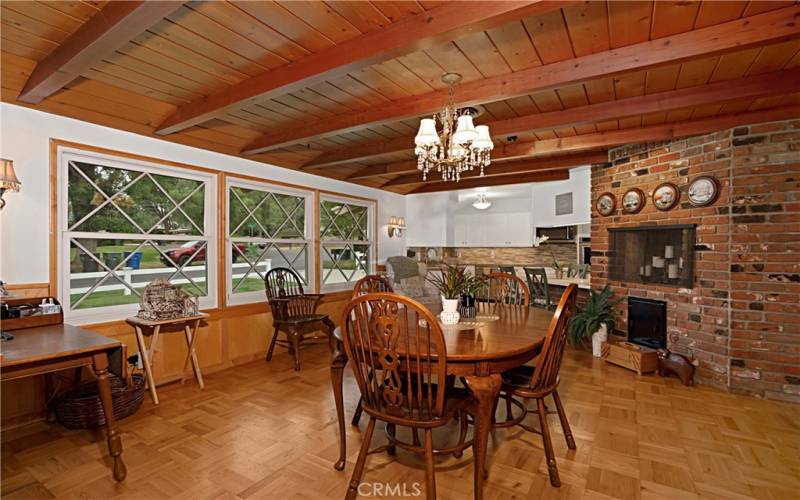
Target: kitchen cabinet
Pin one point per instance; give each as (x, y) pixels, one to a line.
(493, 230)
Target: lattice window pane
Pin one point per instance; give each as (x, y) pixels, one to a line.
(117, 200)
(267, 229)
(343, 221)
(343, 263)
(109, 272)
(251, 261)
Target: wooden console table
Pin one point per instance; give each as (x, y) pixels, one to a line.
(52, 348)
(146, 327)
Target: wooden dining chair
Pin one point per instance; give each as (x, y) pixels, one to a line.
(372, 283)
(538, 382)
(399, 359)
(538, 287)
(294, 312)
(504, 288)
(507, 269)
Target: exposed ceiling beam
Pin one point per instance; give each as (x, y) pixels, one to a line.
(410, 34)
(114, 26)
(643, 134)
(362, 152)
(511, 167)
(400, 167)
(609, 139)
(500, 180)
(769, 27)
(769, 84)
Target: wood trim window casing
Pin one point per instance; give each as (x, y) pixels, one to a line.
(372, 228)
(222, 308)
(60, 245)
(310, 223)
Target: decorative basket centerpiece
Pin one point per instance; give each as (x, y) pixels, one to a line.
(163, 300)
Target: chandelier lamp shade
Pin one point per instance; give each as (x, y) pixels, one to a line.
(459, 147)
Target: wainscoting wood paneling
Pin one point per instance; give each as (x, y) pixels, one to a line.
(228, 339)
(28, 290)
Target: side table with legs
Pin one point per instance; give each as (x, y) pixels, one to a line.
(152, 328)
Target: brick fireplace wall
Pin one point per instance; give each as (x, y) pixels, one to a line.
(741, 320)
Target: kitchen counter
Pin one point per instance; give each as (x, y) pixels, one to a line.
(583, 284)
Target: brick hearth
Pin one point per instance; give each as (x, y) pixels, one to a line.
(741, 320)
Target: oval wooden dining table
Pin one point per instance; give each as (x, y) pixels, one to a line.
(479, 353)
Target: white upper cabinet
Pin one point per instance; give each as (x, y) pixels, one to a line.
(493, 230)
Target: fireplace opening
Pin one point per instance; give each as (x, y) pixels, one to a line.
(647, 322)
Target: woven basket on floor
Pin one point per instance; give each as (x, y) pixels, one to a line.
(80, 408)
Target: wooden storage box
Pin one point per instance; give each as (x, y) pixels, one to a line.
(631, 356)
(33, 321)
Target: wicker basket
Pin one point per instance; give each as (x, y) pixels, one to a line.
(80, 407)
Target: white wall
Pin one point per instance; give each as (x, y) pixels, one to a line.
(431, 217)
(426, 220)
(24, 223)
(544, 203)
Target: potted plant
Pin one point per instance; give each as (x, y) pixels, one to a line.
(451, 283)
(472, 287)
(594, 319)
(559, 269)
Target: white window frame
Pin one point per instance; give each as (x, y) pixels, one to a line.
(307, 195)
(371, 235)
(110, 313)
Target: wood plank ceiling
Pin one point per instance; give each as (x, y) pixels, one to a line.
(336, 88)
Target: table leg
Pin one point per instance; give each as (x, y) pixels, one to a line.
(485, 390)
(338, 362)
(100, 367)
(191, 354)
(144, 355)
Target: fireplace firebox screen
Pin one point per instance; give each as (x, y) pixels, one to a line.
(661, 255)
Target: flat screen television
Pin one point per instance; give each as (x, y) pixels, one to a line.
(647, 322)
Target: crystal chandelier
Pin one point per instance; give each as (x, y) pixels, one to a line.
(460, 147)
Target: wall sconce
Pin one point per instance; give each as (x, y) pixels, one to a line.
(8, 179)
(396, 226)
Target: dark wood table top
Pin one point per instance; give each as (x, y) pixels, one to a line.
(53, 341)
(517, 331)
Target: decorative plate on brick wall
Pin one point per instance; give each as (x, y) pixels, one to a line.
(666, 196)
(703, 191)
(606, 204)
(633, 201)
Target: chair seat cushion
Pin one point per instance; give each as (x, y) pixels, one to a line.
(519, 376)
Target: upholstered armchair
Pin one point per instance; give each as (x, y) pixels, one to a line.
(407, 277)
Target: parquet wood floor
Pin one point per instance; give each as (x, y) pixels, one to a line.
(264, 431)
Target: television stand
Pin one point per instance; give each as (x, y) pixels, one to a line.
(631, 356)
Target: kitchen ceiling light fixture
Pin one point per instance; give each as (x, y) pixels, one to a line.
(460, 147)
(481, 203)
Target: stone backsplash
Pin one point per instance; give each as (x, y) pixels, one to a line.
(565, 253)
